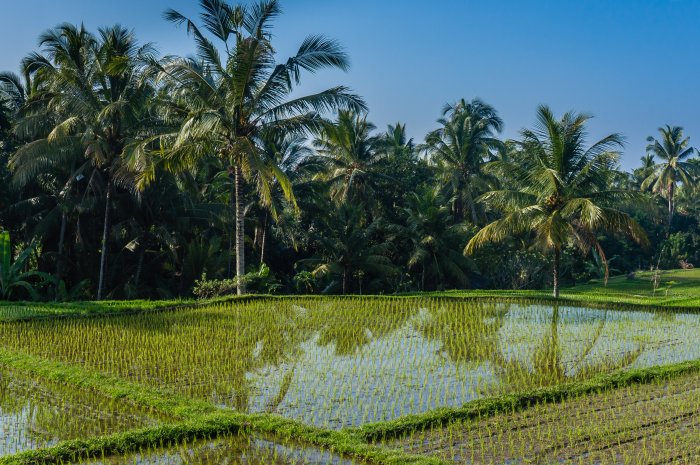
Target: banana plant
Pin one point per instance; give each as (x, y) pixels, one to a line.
(12, 276)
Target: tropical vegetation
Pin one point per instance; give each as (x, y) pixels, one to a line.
(494, 289)
(126, 175)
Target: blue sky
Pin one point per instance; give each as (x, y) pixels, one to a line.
(634, 65)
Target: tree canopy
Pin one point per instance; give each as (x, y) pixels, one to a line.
(125, 174)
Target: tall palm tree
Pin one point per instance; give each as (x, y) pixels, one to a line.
(436, 242)
(348, 250)
(287, 151)
(12, 97)
(226, 103)
(565, 195)
(97, 90)
(348, 156)
(674, 151)
(52, 175)
(394, 143)
(13, 91)
(460, 146)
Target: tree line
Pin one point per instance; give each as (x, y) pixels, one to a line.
(130, 175)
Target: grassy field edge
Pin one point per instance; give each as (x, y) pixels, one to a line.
(192, 419)
(176, 406)
(209, 427)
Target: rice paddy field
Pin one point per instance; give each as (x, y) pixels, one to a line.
(653, 423)
(36, 413)
(231, 449)
(351, 380)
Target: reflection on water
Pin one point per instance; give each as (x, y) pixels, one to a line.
(341, 362)
(230, 450)
(36, 414)
(442, 355)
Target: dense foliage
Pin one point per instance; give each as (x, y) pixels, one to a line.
(128, 175)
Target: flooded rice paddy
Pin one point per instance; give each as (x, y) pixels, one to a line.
(637, 425)
(346, 362)
(230, 449)
(36, 413)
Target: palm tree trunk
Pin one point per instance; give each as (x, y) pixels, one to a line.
(345, 279)
(62, 234)
(139, 267)
(105, 230)
(458, 209)
(61, 241)
(475, 218)
(472, 207)
(670, 206)
(557, 254)
(230, 230)
(240, 251)
(262, 242)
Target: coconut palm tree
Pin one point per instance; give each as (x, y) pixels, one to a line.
(348, 250)
(97, 90)
(348, 157)
(13, 91)
(226, 103)
(435, 243)
(565, 195)
(28, 97)
(674, 152)
(460, 146)
(394, 143)
(287, 151)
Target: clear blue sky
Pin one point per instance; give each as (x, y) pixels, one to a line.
(635, 65)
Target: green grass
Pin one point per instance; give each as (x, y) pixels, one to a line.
(177, 407)
(678, 289)
(20, 311)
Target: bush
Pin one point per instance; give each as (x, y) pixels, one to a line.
(208, 288)
(261, 281)
(304, 282)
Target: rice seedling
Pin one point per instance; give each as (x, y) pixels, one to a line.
(230, 449)
(35, 413)
(9, 312)
(639, 424)
(345, 362)
(13, 311)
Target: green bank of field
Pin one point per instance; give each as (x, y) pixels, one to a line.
(602, 375)
(675, 288)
